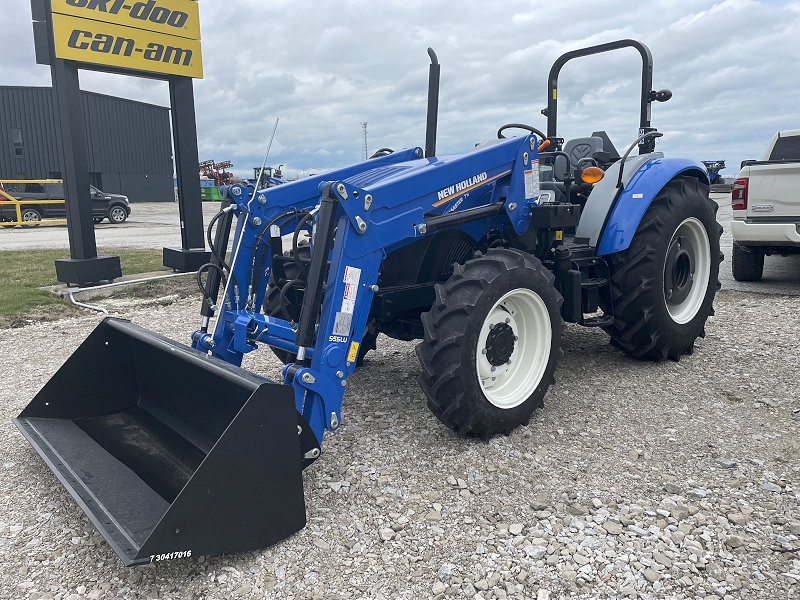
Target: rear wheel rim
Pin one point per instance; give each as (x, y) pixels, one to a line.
(29, 215)
(687, 268)
(516, 331)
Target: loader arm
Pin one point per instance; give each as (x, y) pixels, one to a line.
(375, 207)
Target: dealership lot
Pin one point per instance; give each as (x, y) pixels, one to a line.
(674, 479)
(157, 224)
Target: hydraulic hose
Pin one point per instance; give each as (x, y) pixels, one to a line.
(292, 283)
(257, 260)
(214, 252)
(203, 269)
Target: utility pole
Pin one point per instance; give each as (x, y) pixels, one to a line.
(364, 152)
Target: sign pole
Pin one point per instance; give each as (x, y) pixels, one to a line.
(159, 39)
(84, 265)
(192, 254)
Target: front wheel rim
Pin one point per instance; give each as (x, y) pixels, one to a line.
(687, 268)
(513, 348)
(117, 214)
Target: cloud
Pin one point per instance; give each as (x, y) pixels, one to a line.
(323, 68)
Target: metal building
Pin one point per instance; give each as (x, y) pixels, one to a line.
(130, 144)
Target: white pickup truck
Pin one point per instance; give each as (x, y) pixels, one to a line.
(765, 199)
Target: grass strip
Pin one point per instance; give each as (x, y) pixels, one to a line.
(22, 273)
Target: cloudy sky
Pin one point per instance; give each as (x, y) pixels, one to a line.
(323, 67)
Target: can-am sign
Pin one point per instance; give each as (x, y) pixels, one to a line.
(156, 36)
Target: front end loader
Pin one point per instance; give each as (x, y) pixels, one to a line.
(483, 257)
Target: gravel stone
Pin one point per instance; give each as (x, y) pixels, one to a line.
(535, 552)
(726, 463)
(613, 528)
(530, 497)
(734, 541)
(651, 575)
(697, 493)
(771, 487)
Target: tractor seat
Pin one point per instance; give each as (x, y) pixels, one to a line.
(577, 149)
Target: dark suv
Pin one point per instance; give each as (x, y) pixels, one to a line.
(114, 207)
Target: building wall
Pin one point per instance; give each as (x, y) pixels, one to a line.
(129, 143)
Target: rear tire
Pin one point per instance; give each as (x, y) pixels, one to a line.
(492, 340)
(663, 285)
(30, 215)
(748, 263)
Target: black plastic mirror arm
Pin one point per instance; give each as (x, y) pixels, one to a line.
(653, 134)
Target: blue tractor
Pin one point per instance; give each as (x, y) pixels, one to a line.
(714, 167)
(483, 257)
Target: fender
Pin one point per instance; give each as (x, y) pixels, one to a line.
(636, 197)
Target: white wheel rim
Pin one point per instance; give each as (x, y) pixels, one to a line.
(512, 383)
(693, 230)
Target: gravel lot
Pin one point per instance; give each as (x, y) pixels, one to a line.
(637, 479)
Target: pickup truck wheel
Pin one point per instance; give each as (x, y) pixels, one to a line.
(663, 285)
(748, 263)
(117, 215)
(29, 215)
(492, 340)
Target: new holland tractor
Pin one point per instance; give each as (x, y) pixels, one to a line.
(483, 257)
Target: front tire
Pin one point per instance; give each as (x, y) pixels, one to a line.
(747, 263)
(294, 301)
(117, 215)
(492, 341)
(663, 285)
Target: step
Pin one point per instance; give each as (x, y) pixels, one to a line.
(599, 321)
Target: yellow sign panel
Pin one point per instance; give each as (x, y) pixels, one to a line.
(99, 43)
(173, 17)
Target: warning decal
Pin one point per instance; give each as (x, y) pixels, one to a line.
(352, 355)
(532, 180)
(352, 275)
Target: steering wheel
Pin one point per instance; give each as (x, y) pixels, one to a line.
(500, 135)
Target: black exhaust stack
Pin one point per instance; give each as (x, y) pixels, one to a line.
(433, 105)
(178, 454)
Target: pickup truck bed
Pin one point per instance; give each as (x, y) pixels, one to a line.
(765, 199)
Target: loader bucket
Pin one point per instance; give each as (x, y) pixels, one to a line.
(170, 453)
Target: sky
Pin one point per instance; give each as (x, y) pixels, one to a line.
(324, 67)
